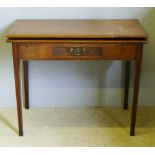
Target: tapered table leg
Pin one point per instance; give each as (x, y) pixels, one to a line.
(126, 83)
(16, 62)
(26, 85)
(138, 63)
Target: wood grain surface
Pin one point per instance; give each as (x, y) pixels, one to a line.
(122, 28)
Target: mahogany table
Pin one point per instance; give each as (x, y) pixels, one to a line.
(77, 40)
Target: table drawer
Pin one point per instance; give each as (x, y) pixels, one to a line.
(77, 51)
(109, 51)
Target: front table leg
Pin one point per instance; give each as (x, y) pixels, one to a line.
(126, 83)
(138, 63)
(26, 87)
(16, 62)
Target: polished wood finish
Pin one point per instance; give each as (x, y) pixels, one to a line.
(123, 28)
(94, 51)
(138, 63)
(16, 61)
(86, 51)
(26, 84)
(78, 40)
(126, 84)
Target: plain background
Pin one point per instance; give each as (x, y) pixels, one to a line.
(77, 83)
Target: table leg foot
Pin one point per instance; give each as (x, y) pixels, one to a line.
(132, 132)
(20, 133)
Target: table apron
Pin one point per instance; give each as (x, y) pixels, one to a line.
(77, 51)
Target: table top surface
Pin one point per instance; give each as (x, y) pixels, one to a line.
(122, 28)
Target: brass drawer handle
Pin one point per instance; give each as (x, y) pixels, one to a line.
(78, 51)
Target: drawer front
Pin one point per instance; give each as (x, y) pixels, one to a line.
(94, 51)
(77, 51)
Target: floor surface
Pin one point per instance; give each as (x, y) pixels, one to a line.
(77, 127)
